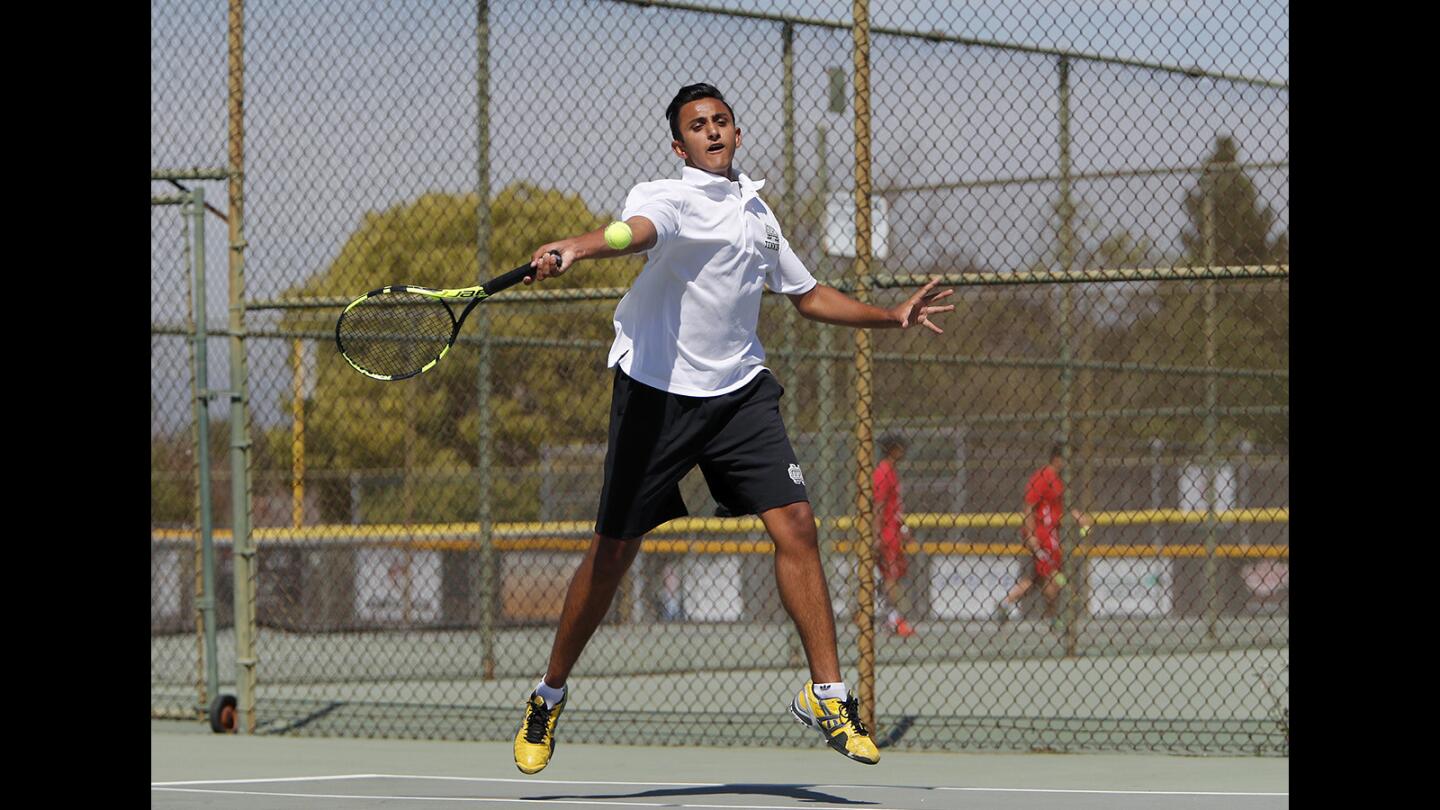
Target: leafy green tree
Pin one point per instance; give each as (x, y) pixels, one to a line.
(171, 481)
(547, 360)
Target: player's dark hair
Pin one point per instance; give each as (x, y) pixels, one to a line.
(890, 441)
(1057, 451)
(687, 94)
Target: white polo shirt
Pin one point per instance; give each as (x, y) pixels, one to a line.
(687, 325)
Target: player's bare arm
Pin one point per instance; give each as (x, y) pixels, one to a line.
(829, 305)
(589, 246)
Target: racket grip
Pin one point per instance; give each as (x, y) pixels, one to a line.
(510, 279)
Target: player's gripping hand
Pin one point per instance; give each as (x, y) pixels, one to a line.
(545, 263)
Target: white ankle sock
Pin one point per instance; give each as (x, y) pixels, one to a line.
(550, 693)
(831, 691)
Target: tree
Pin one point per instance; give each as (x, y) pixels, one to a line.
(1251, 320)
(425, 431)
(1239, 224)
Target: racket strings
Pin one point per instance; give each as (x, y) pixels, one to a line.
(395, 334)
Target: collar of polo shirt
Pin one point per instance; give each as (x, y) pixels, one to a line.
(696, 177)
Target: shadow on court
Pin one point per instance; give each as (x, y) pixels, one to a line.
(801, 793)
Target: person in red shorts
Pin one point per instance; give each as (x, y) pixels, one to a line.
(1043, 510)
(891, 532)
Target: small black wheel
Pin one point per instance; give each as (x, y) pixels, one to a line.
(222, 714)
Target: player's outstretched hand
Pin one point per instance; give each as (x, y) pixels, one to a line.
(545, 264)
(919, 307)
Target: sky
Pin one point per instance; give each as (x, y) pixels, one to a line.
(354, 107)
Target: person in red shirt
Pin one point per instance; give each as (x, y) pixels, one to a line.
(1043, 509)
(890, 530)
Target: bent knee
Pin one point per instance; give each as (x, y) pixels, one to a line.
(792, 526)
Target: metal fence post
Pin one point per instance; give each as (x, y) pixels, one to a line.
(243, 549)
(1212, 609)
(1066, 210)
(205, 604)
(864, 449)
(484, 595)
(789, 318)
(297, 436)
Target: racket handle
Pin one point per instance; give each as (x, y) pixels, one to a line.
(510, 279)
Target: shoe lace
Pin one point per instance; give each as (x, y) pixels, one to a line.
(850, 712)
(536, 723)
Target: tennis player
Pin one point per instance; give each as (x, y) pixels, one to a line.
(891, 532)
(1043, 508)
(691, 388)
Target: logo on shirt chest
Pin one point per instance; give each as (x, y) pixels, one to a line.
(772, 237)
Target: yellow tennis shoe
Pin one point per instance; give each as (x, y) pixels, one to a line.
(535, 741)
(838, 722)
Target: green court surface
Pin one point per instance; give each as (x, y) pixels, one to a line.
(192, 768)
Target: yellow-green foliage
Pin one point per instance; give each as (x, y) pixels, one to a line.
(430, 424)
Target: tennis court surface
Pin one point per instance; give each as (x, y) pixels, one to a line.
(192, 768)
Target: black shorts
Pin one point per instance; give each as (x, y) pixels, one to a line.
(656, 437)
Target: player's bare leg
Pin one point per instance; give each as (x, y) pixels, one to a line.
(803, 591)
(1022, 587)
(1051, 593)
(896, 618)
(1009, 607)
(588, 598)
(892, 593)
(822, 703)
(591, 590)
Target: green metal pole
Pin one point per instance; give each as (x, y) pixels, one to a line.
(244, 551)
(830, 487)
(829, 494)
(201, 405)
(1212, 607)
(790, 317)
(196, 420)
(1066, 209)
(485, 593)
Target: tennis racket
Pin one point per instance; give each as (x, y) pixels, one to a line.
(401, 331)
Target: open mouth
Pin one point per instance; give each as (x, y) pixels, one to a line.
(715, 148)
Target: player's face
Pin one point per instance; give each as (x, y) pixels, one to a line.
(1058, 463)
(708, 136)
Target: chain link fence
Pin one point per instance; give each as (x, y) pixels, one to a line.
(1106, 187)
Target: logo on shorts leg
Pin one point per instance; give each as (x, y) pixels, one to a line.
(795, 474)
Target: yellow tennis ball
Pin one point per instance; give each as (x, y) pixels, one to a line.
(1060, 580)
(617, 235)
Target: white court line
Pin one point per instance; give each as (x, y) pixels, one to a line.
(593, 803)
(277, 779)
(1112, 792)
(869, 787)
(533, 781)
(708, 784)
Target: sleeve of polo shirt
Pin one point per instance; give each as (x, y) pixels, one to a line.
(649, 200)
(789, 275)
